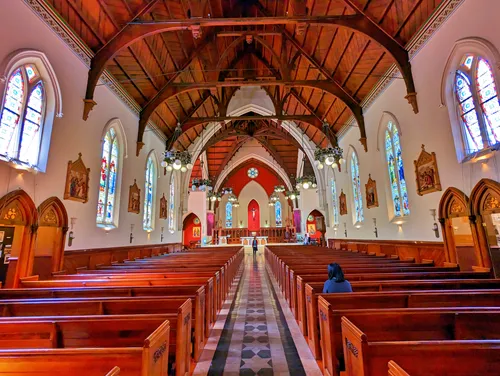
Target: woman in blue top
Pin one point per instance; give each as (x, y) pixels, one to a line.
(336, 281)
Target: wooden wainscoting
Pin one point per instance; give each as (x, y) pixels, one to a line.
(418, 250)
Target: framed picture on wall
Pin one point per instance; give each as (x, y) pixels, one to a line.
(311, 228)
(426, 173)
(134, 199)
(371, 193)
(163, 207)
(77, 181)
(196, 232)
(342, 203)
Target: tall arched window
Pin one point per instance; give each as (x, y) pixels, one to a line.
(278, 214)
(396, 171)
(335, 205)
(108, 182)
(148, 221)
(477, 103)
(22, 116)
(357, 197)
(171, 206)
(229, 215)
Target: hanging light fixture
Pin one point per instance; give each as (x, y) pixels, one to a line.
(214, 196)
(331, 156)
(306, 182)
(173, 159)
(236, 204)
(201, 185)
(279, 188)
(274, 197)
(292, 195)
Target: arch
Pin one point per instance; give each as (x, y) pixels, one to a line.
(477, 47)
(484, 201)
(316, 226)
(51, 89)
(253, 210)
(191, 230)
(454, 203)
(113, 131)
(382, 126)
(150, 189)
(18, 210)
(50, 242)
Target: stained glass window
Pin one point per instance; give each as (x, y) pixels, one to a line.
(478, 104)
(252, 172)
(335, 203)
(149, 195)
(171, 206)
(278, 214)
(395, 166)
(229, 215)
(22, 116)
(356, 190)
(106, 205)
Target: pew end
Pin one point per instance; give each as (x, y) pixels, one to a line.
(396, 370)
(114, 372)
(155, 351)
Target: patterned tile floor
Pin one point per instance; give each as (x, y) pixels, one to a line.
(255, 333)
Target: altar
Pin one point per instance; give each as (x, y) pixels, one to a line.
(247, 240)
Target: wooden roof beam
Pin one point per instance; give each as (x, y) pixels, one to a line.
(274, 153)
(392, 46)
(231, 154)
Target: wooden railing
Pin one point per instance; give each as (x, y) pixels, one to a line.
(274, 234)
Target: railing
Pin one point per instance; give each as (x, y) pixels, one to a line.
(274, 234)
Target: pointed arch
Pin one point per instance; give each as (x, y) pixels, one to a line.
(150, 186)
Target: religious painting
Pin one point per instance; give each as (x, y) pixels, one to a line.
(196, 221)
(197, 232)
(163, 207)
(426, 171)
(371, 193)
(311, 228)
(342, 203)
(77, 181)
(134, 199)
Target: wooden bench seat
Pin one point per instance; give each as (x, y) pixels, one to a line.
(367, 357)
(329, 304)
(147, 357)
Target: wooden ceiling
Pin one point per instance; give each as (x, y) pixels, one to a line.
(184, 59)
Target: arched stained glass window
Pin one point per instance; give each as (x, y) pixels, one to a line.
(22, 116)
(357, 197)
(335, 205)
(149, 194)
(278, 214)
(107, 203)
(229, 215)
(171, 206)
(478, 104)
(397, 178)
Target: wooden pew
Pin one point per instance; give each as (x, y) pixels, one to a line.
(364, 357)
(110, 306)
(396, 370)
(114, 372)
(330, 304)
(311, 297)
(147, 358)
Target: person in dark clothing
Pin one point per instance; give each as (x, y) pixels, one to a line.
(336, 281)
(254, 244)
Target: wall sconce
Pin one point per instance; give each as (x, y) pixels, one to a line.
(345, 229)
(161, 235)
(335, 228)
(131, 230)
(375, 230)
(435, 227)
(71, 237)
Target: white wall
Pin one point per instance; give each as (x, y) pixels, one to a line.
(71, 135)
(430, 127)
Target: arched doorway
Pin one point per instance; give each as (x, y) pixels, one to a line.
(191, 231)
(457, 233)
(52, 229)
(485, 217)
(253, 216)
(18, 226)
(315, 227)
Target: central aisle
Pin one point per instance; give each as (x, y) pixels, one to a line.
(255, 333)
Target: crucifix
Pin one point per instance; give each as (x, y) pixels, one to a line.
(253, 213)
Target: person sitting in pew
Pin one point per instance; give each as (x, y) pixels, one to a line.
(336, 281)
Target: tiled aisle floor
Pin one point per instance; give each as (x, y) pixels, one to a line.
(256, 334)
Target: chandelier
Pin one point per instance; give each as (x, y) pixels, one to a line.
(292, 195)
(236, 204)
(306, 182)
(331, 156)
(214, 196)
(271, 203)
(279, 188)
(201, 185)
(274, 196)
(232, 198)
(177, 160)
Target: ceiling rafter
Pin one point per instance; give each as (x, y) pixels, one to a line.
(274, 153)
(231, 154)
